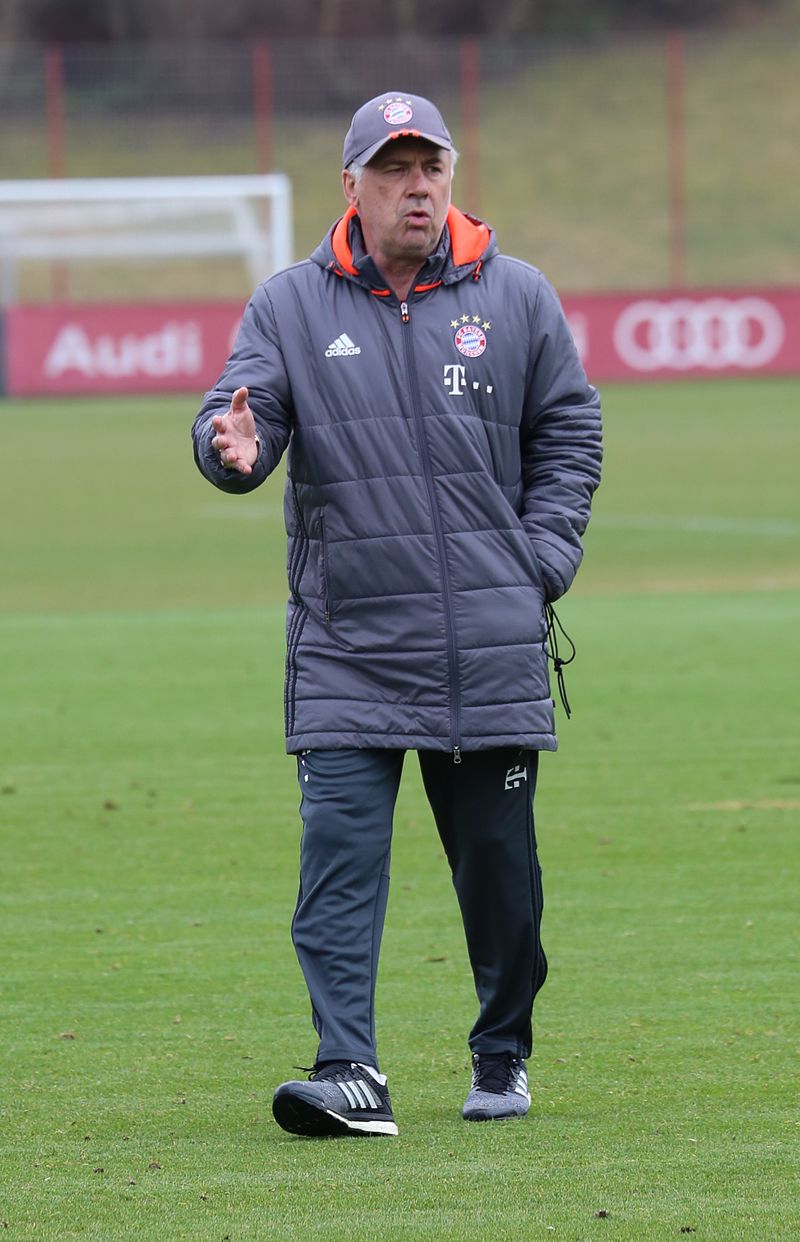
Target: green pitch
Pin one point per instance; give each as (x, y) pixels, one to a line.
(150, 1000)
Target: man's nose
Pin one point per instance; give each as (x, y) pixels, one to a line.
(417, 181)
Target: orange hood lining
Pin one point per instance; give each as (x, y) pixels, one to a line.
(468, 239)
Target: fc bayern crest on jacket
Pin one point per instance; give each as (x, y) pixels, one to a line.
(470, 335)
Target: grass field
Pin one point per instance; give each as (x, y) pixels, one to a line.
(150, 1000)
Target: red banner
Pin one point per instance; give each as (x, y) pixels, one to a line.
(181, 347)
(163, 347)
(673, 335)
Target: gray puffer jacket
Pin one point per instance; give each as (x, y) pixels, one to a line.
(442, 455)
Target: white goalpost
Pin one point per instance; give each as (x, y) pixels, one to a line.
(130, 218)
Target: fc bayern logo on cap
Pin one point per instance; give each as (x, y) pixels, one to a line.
(397, 112)
(470, 340)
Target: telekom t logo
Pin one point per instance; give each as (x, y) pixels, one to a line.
(454, 379)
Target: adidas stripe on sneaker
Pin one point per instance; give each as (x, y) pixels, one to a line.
(499, 1088)
(340, 1098)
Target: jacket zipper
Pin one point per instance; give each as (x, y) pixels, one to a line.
(452, 657)
(326, 601)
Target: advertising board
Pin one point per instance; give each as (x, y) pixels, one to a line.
(181, 347)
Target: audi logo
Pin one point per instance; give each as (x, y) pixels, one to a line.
(712, 333)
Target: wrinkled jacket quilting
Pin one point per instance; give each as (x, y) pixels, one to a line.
(435, 498)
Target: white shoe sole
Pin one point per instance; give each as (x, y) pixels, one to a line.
(297, 1114)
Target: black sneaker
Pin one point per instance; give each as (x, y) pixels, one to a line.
(499, 1088)
(341, 1097)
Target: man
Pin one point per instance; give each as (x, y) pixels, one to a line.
(443, 448)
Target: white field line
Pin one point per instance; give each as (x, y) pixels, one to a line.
(694, 523)
(758, 804)
(136, 616)
(690, 524)
(250, 513)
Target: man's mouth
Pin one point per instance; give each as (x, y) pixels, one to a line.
(417, 219)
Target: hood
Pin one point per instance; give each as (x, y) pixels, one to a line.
(466, 244)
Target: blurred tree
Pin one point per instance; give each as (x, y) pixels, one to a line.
(11, 24)
(117, 20)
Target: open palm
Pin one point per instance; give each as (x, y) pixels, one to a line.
(235, 438)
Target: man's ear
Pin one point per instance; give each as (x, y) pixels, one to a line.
(350, 188)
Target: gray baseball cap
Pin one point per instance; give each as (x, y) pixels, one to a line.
(395, 114)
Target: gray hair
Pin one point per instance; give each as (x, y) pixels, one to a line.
(356, 169)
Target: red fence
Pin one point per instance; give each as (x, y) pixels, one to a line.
(610, 162)
(181, 347)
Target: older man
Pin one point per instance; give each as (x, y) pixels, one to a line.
(443, 448)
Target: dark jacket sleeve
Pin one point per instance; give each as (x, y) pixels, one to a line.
(561, 446)
(257, 363)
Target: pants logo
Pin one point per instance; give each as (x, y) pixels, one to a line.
(515, 776)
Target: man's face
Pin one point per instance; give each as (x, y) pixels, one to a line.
(402, 200)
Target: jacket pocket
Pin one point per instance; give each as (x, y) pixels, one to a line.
(538, 573)
(530, 559)
(298, 549)
(325, 578)
(294, 633)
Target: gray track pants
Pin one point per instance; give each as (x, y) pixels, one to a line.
(484, 813)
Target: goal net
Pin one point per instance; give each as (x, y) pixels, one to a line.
(150, 225)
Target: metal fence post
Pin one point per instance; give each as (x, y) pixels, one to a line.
(676, 157)
(262, 104)
(470, 77)
(56, 146)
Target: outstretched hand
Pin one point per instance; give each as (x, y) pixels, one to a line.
(235, 441)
